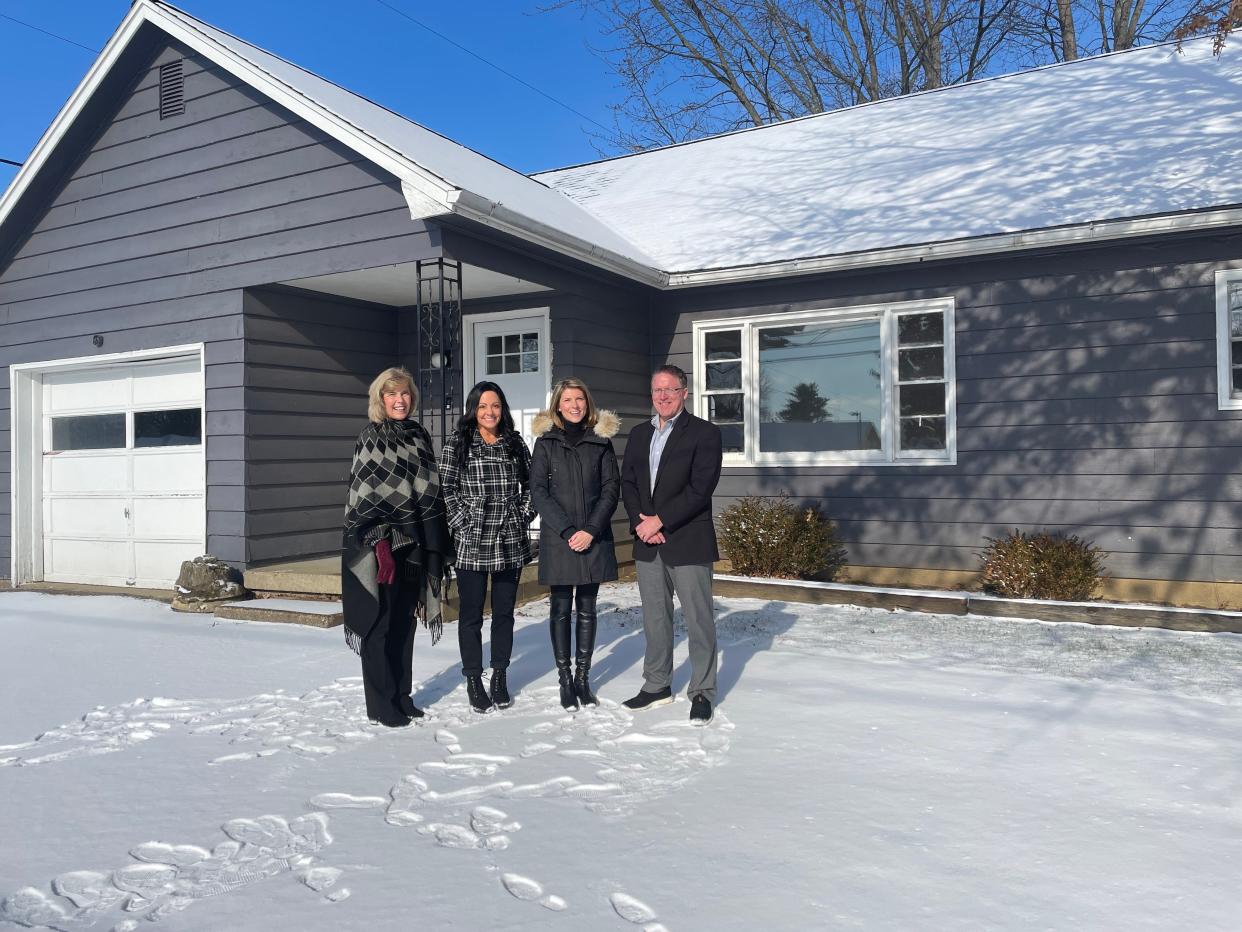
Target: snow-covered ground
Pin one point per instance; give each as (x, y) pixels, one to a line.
(865, 769)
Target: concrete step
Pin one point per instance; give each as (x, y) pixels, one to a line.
(291, 611)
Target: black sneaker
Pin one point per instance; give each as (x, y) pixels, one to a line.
(500, 690)
(700, 710)
(646, 700)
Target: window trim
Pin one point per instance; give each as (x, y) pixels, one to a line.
(887, 313)
(1225, 399)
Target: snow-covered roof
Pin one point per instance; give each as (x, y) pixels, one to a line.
(1127, 144)
(1133, 134)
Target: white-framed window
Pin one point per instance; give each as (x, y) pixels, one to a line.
(871, 384)
(1229, 340)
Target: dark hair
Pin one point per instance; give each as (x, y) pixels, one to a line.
(468, 423)
(469, 419)
(676, 371)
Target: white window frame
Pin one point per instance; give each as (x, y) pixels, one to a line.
(887, 314)
(1226, 400)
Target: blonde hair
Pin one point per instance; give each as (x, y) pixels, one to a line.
(592, 413)
(393, 378)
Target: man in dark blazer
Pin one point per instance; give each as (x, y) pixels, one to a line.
(672, 465)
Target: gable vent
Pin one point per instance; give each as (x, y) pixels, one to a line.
(172, 89)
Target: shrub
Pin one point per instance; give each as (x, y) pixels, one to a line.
(773, 537)
(1042, 565)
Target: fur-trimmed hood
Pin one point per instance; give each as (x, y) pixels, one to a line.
(606, 424)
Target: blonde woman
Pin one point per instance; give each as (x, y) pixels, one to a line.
(396, 547)
(574, 486)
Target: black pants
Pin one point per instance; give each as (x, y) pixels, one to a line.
(472, 591)
(388, 652)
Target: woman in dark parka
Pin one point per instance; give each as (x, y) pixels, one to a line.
(574, 485)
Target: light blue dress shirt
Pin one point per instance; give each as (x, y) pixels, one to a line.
(658, 439)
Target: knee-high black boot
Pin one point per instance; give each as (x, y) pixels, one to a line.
(561, 608)
(586, 644)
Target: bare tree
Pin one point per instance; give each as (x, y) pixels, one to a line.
(693, 67)
(1063, 30)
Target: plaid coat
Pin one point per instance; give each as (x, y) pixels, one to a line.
(489, 509)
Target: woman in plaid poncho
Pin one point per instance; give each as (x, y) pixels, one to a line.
(396, 547)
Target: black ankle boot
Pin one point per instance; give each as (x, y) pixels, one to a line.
(477, 693)
(500, 690)
(558, 624)
(586, 648)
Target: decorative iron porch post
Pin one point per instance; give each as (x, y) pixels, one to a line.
(438, 345)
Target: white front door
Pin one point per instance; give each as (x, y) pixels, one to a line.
(513, 352)
(123, 483)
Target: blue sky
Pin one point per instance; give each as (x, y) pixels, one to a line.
(366, 48)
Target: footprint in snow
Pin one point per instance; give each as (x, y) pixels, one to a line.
(529, 890)
(631, 909)
(166, 878)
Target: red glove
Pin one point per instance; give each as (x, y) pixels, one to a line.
(386, 575)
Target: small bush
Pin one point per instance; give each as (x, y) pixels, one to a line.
(773, 537)
(1042, 565)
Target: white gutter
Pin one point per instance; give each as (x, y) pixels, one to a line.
(1095, 231)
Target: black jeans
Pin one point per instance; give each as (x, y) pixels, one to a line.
(388, 652)
(472, 591)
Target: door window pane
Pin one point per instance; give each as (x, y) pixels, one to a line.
(820, 387)
(89, 432)
(177, 428)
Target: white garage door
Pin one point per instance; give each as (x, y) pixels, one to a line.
(123, 479)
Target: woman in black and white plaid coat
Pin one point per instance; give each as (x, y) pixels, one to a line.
(485, 477)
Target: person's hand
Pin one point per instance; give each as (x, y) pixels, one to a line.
(656, 538)
(648, 526)
(386, 573)
(580, 541)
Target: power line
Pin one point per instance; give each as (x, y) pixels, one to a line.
(11, 162)
(14, 19)
(491, 64)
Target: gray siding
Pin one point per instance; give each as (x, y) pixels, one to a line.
(1086, 402)
(309, 361)
(148, 241)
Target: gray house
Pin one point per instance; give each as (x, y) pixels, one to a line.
(1005, 304)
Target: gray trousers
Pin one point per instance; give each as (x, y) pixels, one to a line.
(692, 584)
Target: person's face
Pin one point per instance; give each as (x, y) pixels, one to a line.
(572, 406)
(488, 412)
(397, 402)
(667, 395)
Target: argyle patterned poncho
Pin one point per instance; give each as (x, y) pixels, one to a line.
(394, 495)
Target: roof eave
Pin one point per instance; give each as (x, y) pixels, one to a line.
(1074, 234)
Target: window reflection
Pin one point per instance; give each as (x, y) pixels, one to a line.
(820, 387)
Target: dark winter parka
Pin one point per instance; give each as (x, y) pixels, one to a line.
(575, 488)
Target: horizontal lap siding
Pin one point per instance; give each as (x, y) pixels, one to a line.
(309, 362)
(151, 239)
(1086, 386)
